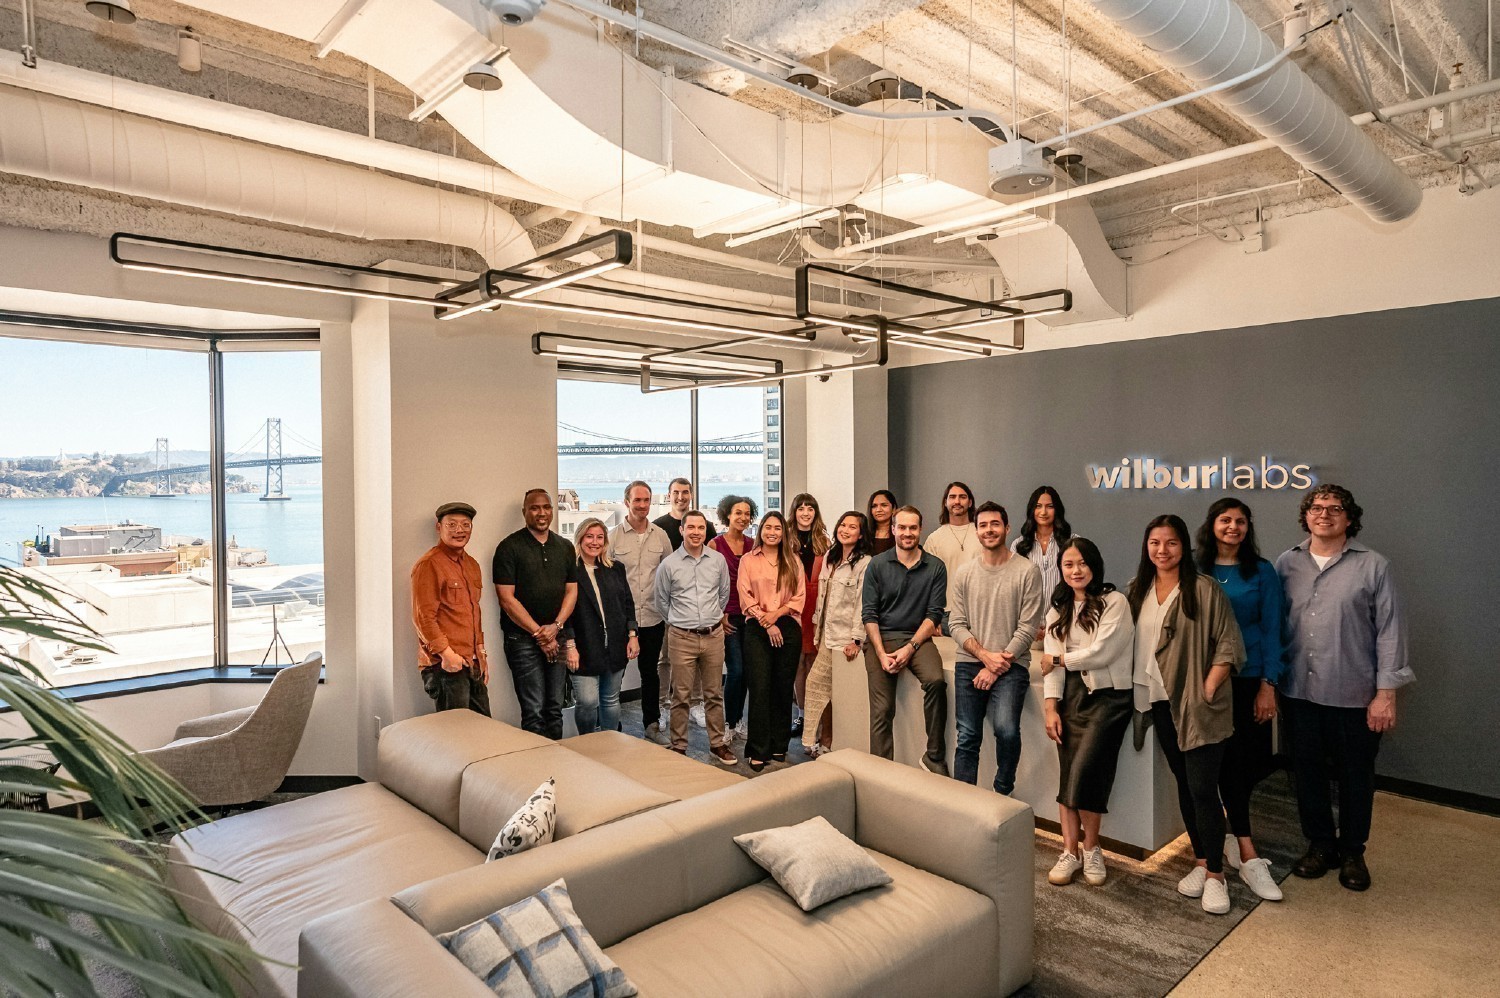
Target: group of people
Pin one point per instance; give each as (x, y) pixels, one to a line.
(1205, 645)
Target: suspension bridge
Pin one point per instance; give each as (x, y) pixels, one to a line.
(595, 443)
(261, 450)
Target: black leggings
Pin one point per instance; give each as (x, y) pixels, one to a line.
(1247, 756)
(1197, 773)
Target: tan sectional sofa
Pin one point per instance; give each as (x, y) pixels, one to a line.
(448, 782)
(684, 911)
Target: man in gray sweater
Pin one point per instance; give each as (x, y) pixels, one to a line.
(996, 606)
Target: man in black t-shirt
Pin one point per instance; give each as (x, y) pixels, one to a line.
(680, 495)
(536, 578)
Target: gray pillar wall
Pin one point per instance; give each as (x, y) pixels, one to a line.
(1397, 406)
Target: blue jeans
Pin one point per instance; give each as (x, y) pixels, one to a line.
(596, 702)
(734, 669)
(1002, 704)
(539, 685)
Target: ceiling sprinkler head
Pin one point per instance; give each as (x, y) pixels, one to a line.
(884, 86)
(483, 77)
(116, 11)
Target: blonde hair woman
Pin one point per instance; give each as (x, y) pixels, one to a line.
(604, 631)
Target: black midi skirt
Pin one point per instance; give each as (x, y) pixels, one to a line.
(1094, 724)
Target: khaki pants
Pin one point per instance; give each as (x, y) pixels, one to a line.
(664, 676)
(926, 667)
(697, 659)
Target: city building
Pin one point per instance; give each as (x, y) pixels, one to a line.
(1006, 244)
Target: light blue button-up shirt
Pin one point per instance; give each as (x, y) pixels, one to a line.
(692, 592)
(1345, 631)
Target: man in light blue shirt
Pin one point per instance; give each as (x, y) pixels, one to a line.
(692, 590)
(1346, 657)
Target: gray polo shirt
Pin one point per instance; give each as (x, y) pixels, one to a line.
(1345, 631)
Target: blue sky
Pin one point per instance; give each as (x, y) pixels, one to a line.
(80, 398)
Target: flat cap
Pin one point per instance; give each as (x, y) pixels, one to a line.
(455, 507)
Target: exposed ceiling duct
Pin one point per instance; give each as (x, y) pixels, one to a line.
(1213, 41)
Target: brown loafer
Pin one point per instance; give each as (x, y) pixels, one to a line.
(1314, 863)
(1353, 874)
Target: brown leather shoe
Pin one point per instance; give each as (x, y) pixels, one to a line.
(1314, 863)
(1353, 874)
(723, 756)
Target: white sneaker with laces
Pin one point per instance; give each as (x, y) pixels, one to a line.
(1215, 896)
(1063, 871)
(742, 729)
(1256, 873)
(1093, 866)
(696, 713)
(1232, 852)
(1191, 886)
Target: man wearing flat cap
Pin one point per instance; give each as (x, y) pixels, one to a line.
(445, 589)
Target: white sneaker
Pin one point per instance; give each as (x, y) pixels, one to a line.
(1063, 871)
(1231, 852)
(1215, 896)
(1093, 866)
(698, 717)
(742, 729)
(654, 733)
(1191, 886)
(1256, 873)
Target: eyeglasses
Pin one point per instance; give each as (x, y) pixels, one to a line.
(1329, 511)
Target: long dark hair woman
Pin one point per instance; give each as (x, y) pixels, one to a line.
(1087, 643)
(838, 629)
(881, 512)
(812, 543)
(772, 591)
(604, 632)
(1227, 550)
(1186, 644)
(1044, 533)
(736, 513)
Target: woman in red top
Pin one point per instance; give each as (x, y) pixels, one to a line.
(812, 544)
(772, 591)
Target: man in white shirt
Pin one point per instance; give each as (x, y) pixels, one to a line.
(954, 541)
(640, 546)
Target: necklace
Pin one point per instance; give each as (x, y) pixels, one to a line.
(1229, 571)
(962, 537)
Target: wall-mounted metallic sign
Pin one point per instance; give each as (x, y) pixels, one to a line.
(1149, 473)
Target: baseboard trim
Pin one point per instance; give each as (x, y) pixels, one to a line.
(1113, 845)
(1461, 799)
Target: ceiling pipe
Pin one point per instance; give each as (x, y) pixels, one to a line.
(818, 251)
(1211, 41)
(226, 118)
(1151, 173)
(54, 139)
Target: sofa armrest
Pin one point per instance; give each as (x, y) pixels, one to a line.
(214, 724)
(973, 837)
(373, 950)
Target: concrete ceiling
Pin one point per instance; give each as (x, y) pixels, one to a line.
(994, 54)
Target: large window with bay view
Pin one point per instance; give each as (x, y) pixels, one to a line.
(107, 493)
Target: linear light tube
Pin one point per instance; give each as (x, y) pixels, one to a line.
(562, 280)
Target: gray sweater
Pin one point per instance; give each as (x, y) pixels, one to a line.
(1001, 608)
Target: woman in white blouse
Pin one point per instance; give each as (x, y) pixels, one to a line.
(837, 626)
(1087, 655)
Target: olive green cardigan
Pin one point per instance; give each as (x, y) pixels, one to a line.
(1184, 654)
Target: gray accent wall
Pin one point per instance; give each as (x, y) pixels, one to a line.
(1398, 406)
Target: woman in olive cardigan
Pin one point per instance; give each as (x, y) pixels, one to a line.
(604, 632)
(1187, 642)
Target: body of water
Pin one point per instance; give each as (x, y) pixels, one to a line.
(290, 531)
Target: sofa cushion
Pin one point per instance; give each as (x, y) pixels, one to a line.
(645, 762)
(422, 759)
(257, 878)
(922, 935)
(588, 793)
(532, 825)
(537, 947)
(812, 862)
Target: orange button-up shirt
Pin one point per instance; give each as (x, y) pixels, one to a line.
(445, 605)
(759, 591)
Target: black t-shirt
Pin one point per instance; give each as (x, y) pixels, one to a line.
(673, 527)
(540, 573)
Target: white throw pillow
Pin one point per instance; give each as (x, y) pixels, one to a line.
(531, 825)
(537, 948)
(813, 862)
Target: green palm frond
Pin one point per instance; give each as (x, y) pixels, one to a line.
(76, 893)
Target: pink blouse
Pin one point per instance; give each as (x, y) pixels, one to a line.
(758, 589)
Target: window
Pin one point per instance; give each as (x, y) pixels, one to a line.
(773, 437)
(106, 492)
(773, 420)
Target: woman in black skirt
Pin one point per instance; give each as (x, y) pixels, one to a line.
(1088, 643)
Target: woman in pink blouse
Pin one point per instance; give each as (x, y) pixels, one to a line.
(772, 591)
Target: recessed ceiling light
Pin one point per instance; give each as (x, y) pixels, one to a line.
(116, 11)
(483, 77)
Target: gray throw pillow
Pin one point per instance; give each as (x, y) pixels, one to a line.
(813, 862)
(537, 948)
(531, 825)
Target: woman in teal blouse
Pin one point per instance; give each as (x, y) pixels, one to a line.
(1227, 551)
